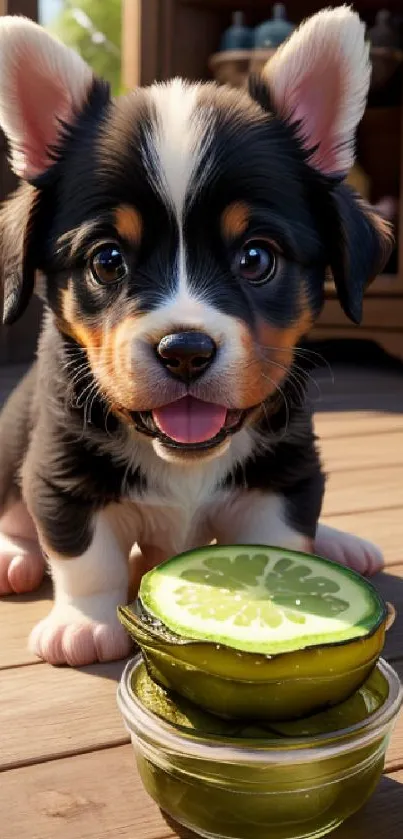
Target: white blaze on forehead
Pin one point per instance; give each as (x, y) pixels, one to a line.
(179, 137)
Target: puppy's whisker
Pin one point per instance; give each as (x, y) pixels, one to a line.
(309, 378)
(72, 362)
(79, 377)
(89, 404)
(277, 387)
(300, 393)
(82, 395)
(76, 374)
(74, 369)
(106, 417)
(304, 375)
(290, 374)
(305, 354)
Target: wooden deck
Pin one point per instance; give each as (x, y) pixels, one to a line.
(67, 766)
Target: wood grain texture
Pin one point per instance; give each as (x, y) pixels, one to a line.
(91, 796)
(359, 490)
(377, 313)
(353, 424)
(18, 615)
(131, 44)
(100, 796)
(363, 451)
(48, 712)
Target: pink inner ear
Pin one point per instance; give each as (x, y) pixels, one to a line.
(43, 101)
(316, 102)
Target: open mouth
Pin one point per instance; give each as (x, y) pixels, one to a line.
(190, 423)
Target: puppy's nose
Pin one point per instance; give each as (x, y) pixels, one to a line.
(186, 354)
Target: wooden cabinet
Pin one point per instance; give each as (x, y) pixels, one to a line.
(177, 37)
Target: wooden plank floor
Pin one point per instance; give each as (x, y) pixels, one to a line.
(67, 769)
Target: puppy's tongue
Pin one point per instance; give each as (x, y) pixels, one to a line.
(189, 420)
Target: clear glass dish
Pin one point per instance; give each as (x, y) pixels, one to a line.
(279, 788)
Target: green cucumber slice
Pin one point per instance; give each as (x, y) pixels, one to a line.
(261, 599)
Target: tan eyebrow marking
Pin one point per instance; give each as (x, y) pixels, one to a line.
(127, 221)
(235, 220)
(129, 224)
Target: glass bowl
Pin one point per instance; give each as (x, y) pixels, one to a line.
(224, 787)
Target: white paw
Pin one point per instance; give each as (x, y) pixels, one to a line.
(71, 635)
(349, 550)
(21, 565)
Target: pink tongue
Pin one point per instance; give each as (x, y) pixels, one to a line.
(189, 420)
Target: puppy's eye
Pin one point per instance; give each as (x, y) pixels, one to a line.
(108, 265)
(256, 262)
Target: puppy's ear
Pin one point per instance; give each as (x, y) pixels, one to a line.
(44, 86)
(359, 243)
(19, 223)
(317, 83)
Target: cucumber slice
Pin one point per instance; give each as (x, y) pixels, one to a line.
(260, 599)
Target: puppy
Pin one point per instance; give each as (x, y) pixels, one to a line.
(180, 238)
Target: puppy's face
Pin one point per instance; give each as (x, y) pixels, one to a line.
(184, 241)
(186, 259)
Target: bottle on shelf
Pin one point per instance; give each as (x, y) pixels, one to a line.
(384, 33)
(238, 36)
(271, 33)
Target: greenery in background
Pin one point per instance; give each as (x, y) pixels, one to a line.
(105, 19)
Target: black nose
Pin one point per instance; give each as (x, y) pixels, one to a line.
(186, 354)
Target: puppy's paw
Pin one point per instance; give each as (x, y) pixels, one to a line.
(349, 550)
(69, 636)
(21, 565)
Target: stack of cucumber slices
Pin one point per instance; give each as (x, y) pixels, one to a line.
(255, 633)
